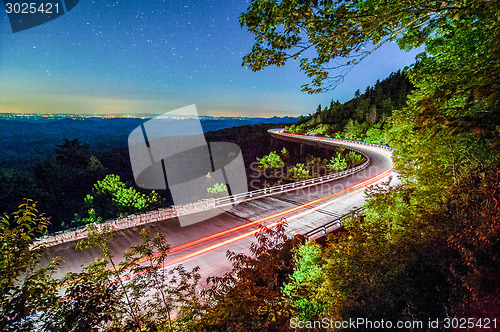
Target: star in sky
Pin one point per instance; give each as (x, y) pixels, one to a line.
(154, 56)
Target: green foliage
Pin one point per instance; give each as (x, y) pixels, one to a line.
(355, 131)
(340, 149)
(354, 159)
(315, 163)
(364, 117)
(321, 129)
(299, 173)
(24, 288)
(98, 308)
(296, 129)
(375, 135)
(402, 260)
(307, 275)
(219, 189)
(65, 180)
(74, 153)
(110, 296)
(126, 200)
(425, 248)
(395, 263)
(92, 217)
(337, 163)
(312, 166)
(94, 164)
(14, 186)
(336, 35)
(474, 235)
(271, 160)
(452, 118)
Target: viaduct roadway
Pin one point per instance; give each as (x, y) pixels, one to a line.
(205, 244)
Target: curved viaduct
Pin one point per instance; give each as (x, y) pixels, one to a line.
(205, 244)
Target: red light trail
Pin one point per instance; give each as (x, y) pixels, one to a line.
(304, 208)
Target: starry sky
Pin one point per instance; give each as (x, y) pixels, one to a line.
(153, 56)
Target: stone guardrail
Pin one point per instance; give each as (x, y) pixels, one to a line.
(127, 222)
(204, 205)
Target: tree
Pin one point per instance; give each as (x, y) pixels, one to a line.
(364, 112)
(24, 288)
(372, 115)
(271, 160)
(307, 275)
(73, 153)
(395, 262)
(337, 163)
(474, 235)
(375, 135)
(120, 200)
(338, 35)
(90, 301)
(137, 294)
(65, 181)
(318, 110)
(249, 297)
(375, 270)
(14, 186)
(452, 117)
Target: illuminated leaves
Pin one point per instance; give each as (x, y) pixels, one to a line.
(24, 289)
(127, 199)
(331, 37)
(272, 160)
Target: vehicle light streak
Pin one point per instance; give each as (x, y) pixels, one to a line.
(221, 234)
(354, 189)
(303, 210)
(204, 250)
(358, 186)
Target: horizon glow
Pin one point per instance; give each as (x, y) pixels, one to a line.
(114, 57)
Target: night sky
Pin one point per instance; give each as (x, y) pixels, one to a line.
(153, 56)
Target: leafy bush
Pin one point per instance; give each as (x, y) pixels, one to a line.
(126, 200)
(321, 129)
(375, 135)
(308, 274)
(218, 188)
(271, 160)
(296, 129)
(354, 158)
(299, 173)
(337, 163)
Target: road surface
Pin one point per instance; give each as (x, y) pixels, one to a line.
(205, 244)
